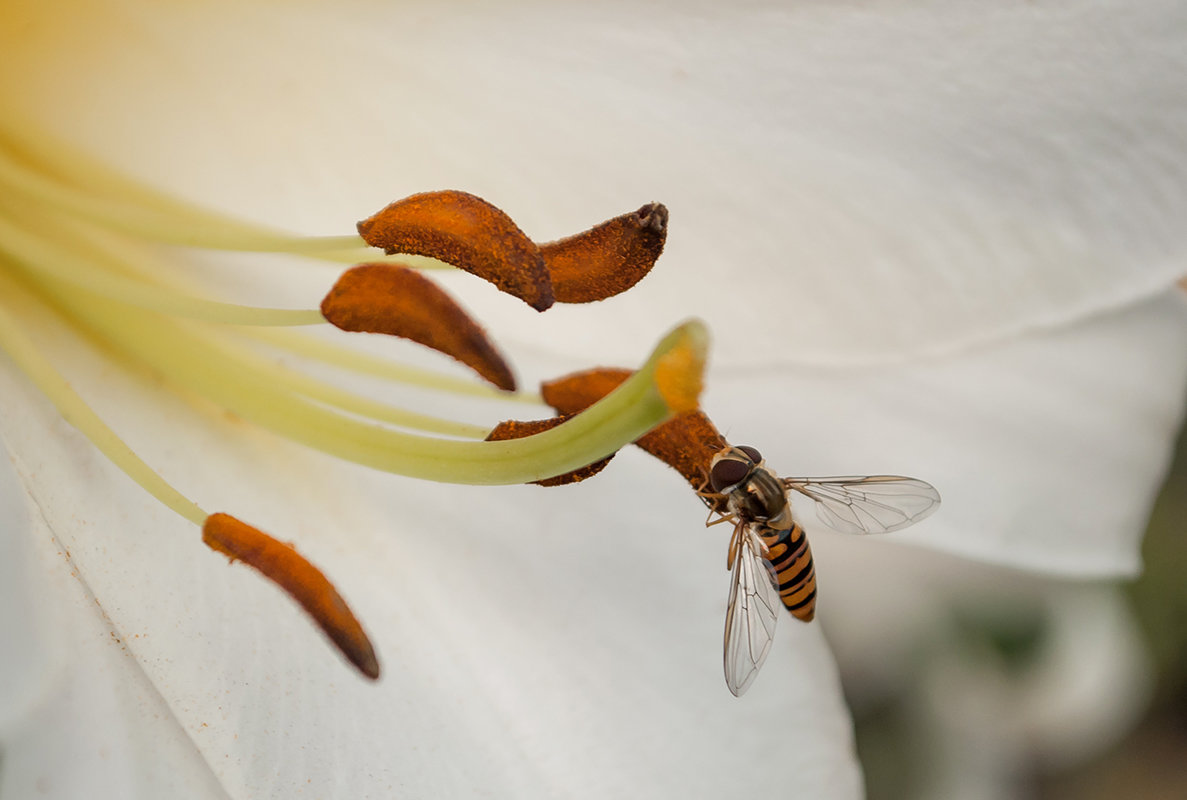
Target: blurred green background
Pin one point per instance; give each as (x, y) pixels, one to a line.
(1149, 761)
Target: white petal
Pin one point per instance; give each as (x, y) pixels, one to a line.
(1047, 450)
(845, 184)
(535, 643)
(97, 726)
(27, 657)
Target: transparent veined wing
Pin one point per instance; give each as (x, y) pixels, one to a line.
(751, 612)
(870, 503)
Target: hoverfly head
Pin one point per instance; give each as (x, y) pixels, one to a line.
(732, 466)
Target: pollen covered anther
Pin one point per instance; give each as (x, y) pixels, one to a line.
(516, 429)
(467, 232)
(395, 300)
(305, 583)
(686, 443)
(609, 258)
(473, 235)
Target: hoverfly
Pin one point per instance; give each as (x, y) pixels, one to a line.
(769, 559)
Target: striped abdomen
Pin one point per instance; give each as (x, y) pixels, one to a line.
(795, 573)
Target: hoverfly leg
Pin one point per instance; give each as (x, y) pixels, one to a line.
(714, 499)
(722, 518)
(735, 543)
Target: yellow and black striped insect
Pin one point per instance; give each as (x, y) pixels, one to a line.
(769, 559)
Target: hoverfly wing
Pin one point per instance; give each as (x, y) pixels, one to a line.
(870, 503)
(750, 614)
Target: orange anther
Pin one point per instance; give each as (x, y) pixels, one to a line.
(474, 235)
(304, 582)
(387, 298)
(687, 442)
(515, 429)
(607, 259)
(469, 233)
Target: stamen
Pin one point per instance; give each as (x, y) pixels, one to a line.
(469, 233)
(42, 258)
(515, 429)
(677, 380)
(195, 229)
(687, 443)
(474, 235)
(41, 170)
(76, 237)
(384, 298)
(305, 583)
(570, 394)
(76, 412)
(222, 312)
(305, 346)
(227, 377)
(607, 259)
(331, 395)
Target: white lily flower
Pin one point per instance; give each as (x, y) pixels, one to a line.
(941, 242)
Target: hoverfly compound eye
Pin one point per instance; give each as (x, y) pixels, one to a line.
(727, 472)
(755, 456)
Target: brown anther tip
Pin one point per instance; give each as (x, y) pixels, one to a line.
(468, 232)
(397, 301)
(305, 583)
(654, 216)
(686, 443)
(609, 258)
(516, 429)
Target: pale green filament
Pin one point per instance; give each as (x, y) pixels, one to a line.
(71, 231)
(75, 411)
(81, 187)
(306, 346)
(226, 378)
(48, 245)
(366, 407)
(38, 170)
(39, 255)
